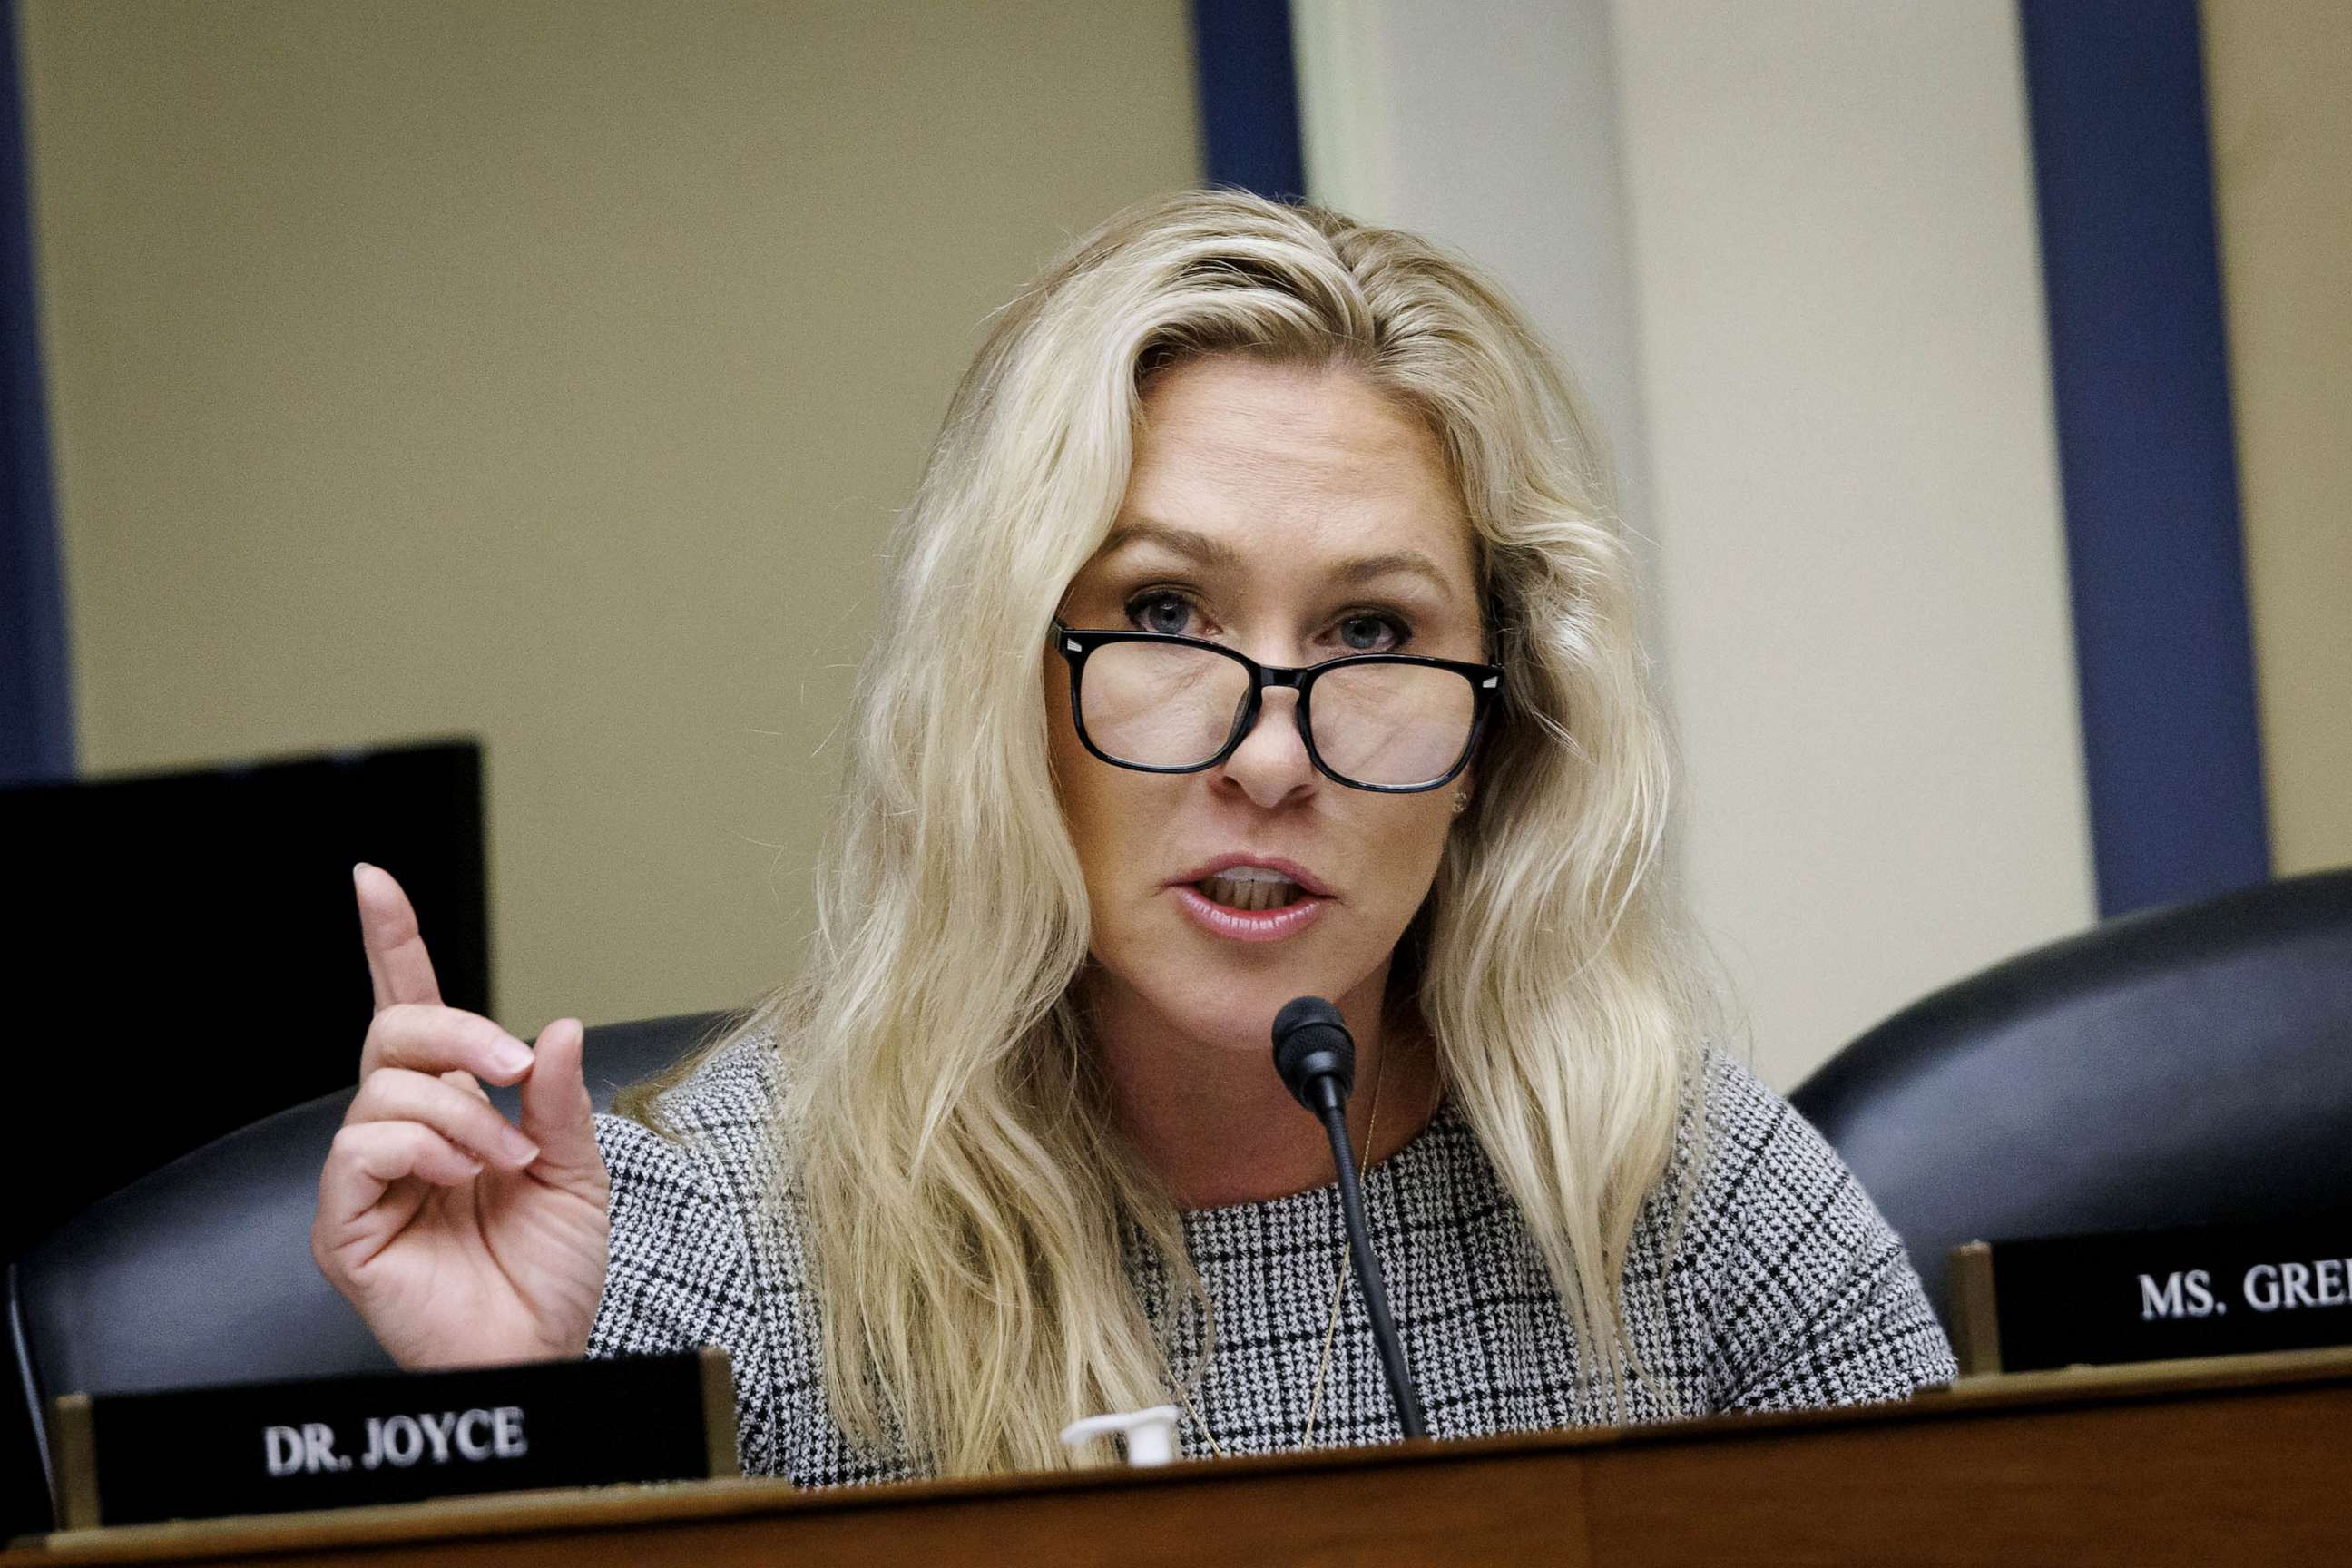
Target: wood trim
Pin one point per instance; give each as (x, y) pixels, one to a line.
(718, 1413)
(1976, 1308)
(76, 1451)
(2252, 1444)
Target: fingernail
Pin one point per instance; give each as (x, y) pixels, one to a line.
(357, 868)
(511, 1056)
(520, 1149)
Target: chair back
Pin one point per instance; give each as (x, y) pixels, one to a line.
(201, 1272)
(2187, 1066)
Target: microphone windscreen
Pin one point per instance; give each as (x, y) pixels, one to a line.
(1311, 1041)
(1301, 1011)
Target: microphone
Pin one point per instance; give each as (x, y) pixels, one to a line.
(1316, 1058)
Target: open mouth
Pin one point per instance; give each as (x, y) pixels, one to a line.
(1250, 888)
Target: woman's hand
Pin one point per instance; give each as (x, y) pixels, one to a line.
(461, 1239)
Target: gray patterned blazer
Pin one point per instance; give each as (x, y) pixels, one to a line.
(1784, 1289)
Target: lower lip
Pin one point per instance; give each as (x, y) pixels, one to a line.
(1248, 925)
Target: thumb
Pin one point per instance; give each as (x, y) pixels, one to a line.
(556, 1113)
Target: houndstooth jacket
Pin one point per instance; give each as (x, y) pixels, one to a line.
(1784, 1288)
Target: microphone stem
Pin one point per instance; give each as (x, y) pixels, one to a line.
(1368, 1270)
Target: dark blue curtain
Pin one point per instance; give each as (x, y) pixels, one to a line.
(1249, 97)
(2146, 451)
(35, 704)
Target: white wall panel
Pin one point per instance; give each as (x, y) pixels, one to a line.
(1862, 562)
(1789, 248)
(1490, 125)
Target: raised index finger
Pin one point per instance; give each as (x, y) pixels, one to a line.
(398, 965)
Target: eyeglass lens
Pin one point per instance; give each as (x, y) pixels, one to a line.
(1164, 705)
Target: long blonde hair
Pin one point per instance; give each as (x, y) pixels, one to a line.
(964, 1196)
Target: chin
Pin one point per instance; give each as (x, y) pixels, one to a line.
(1237, 1002)
(1244, 1014)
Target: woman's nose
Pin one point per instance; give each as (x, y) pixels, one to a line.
(1271, 764)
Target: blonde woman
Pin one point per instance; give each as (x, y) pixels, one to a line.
(1259, 629)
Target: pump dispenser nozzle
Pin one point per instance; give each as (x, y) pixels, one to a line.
(1151, 1433)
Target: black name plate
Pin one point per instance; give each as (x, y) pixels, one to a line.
(273, 1447)
(2026, 1305)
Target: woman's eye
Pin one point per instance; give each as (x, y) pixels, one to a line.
(1168, 613)
(1372, 634)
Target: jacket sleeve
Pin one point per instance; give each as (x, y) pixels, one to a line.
(679, 1275)
(1816, 1302)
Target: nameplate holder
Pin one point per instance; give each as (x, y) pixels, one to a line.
(382, 1437)
(2031, 1304)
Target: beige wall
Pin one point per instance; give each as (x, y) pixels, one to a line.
(547, 372)
(2279, 90)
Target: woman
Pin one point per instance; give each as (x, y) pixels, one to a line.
(1011, 1151)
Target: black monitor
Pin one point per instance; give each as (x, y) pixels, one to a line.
(186, 955)
(183, 958)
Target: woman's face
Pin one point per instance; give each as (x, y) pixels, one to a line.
(1296, 515)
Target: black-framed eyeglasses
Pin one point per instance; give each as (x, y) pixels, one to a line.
(1160, 704)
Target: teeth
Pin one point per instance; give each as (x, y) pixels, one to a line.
(1251, 888)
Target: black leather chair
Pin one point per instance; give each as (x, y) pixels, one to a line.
(201, 1272)
(2189, 1066)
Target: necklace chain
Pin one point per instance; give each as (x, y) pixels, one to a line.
(1338, 1289)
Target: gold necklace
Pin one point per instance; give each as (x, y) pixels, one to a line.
(1339, 1286)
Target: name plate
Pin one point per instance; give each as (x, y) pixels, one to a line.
(274, 1447)
(2161, 1295)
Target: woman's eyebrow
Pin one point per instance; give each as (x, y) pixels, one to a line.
(1196, 545)
(1407, 562)
(1185, 541)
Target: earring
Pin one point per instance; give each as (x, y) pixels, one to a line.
(1461, 801)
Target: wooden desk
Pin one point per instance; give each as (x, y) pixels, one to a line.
(2203, 1462)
